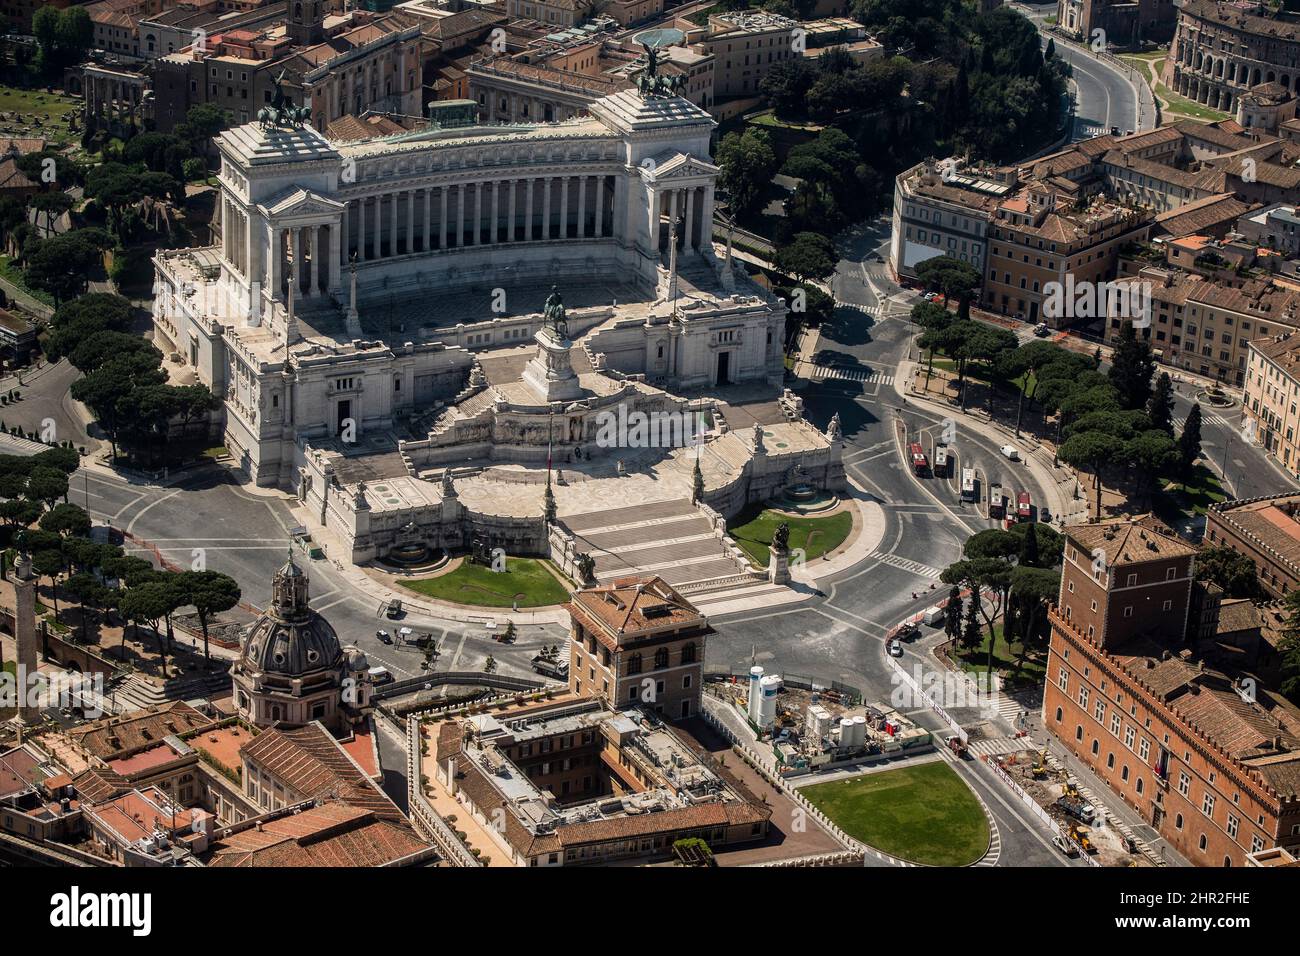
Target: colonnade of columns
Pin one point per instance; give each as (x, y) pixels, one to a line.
(693, 206)
(421, 219)
(313, 254)
(234, 237)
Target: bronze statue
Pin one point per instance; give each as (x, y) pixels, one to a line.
(553, 315)
(652, 83)
(282, 111)
(781, 537)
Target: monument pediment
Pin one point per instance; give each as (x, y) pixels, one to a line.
(298, 203)
(674, 166)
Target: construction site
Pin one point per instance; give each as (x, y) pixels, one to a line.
(811, 727)
(1057, 794)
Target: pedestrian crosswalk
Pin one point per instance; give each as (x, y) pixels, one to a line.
(846, 373)
(905, 564)
(997, 746)
(1209, 417)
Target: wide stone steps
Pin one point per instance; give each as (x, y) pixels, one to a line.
(671, 539)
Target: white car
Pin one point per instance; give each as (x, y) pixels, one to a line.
(1010, 452)
(896, 648)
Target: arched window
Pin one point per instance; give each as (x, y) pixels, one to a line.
(661, 658)
(634, 664)
(688, 654)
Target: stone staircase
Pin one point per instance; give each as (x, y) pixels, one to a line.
(672, 539)
(133, 692)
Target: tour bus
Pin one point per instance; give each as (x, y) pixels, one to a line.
(919, 462)
(968, 484)
(997, 502)
(1024, 507)
(941, 462)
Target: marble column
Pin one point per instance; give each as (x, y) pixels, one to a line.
(546, 207)
(427, 240)
(656, 209)
(379, 233)
(335, 278)
(274, 258)
(690, 219)
(564, 207)
(410, 221)
(317, 257)
(495, 235)
(478, 215)
(392, 226)
(706, 218)
(510, 233)
(600, 206)
(442, 217)
(528, 216)
(582, 207)
(361, 229)
(460, 215)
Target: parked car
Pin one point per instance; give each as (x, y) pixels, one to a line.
(384, 636)
(896, 648)
(1010, 452)
(908, 632)
(394, 610)
(1041, 329)
(1045, 515)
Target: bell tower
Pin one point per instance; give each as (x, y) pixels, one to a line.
(306, 24)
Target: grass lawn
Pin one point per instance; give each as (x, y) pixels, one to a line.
(1175, 503)
(1185, 107)
(755, 526)
(481, 586)
(15, 275)
(924, 814)
(769, 118)
(1004, 658)
(36, 103)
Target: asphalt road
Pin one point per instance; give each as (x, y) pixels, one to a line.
(1104, 98)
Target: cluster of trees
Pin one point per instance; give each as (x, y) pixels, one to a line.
(148, 166)
(62, 36)
(123, 380)
(1011, 575)
(959, 82)
(1123, 419)
(1113, 419)
(35, 515)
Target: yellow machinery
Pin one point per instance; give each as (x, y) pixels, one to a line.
(1080, 835)
(1040, 768)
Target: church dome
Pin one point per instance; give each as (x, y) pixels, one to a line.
(290, 639)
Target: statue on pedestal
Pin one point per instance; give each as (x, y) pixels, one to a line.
(553, 315)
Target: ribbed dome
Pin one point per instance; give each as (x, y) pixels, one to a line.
(290, 639)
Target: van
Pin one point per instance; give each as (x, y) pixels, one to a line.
(933, 616)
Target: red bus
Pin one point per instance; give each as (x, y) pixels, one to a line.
(919, 462)
(1024, 507)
